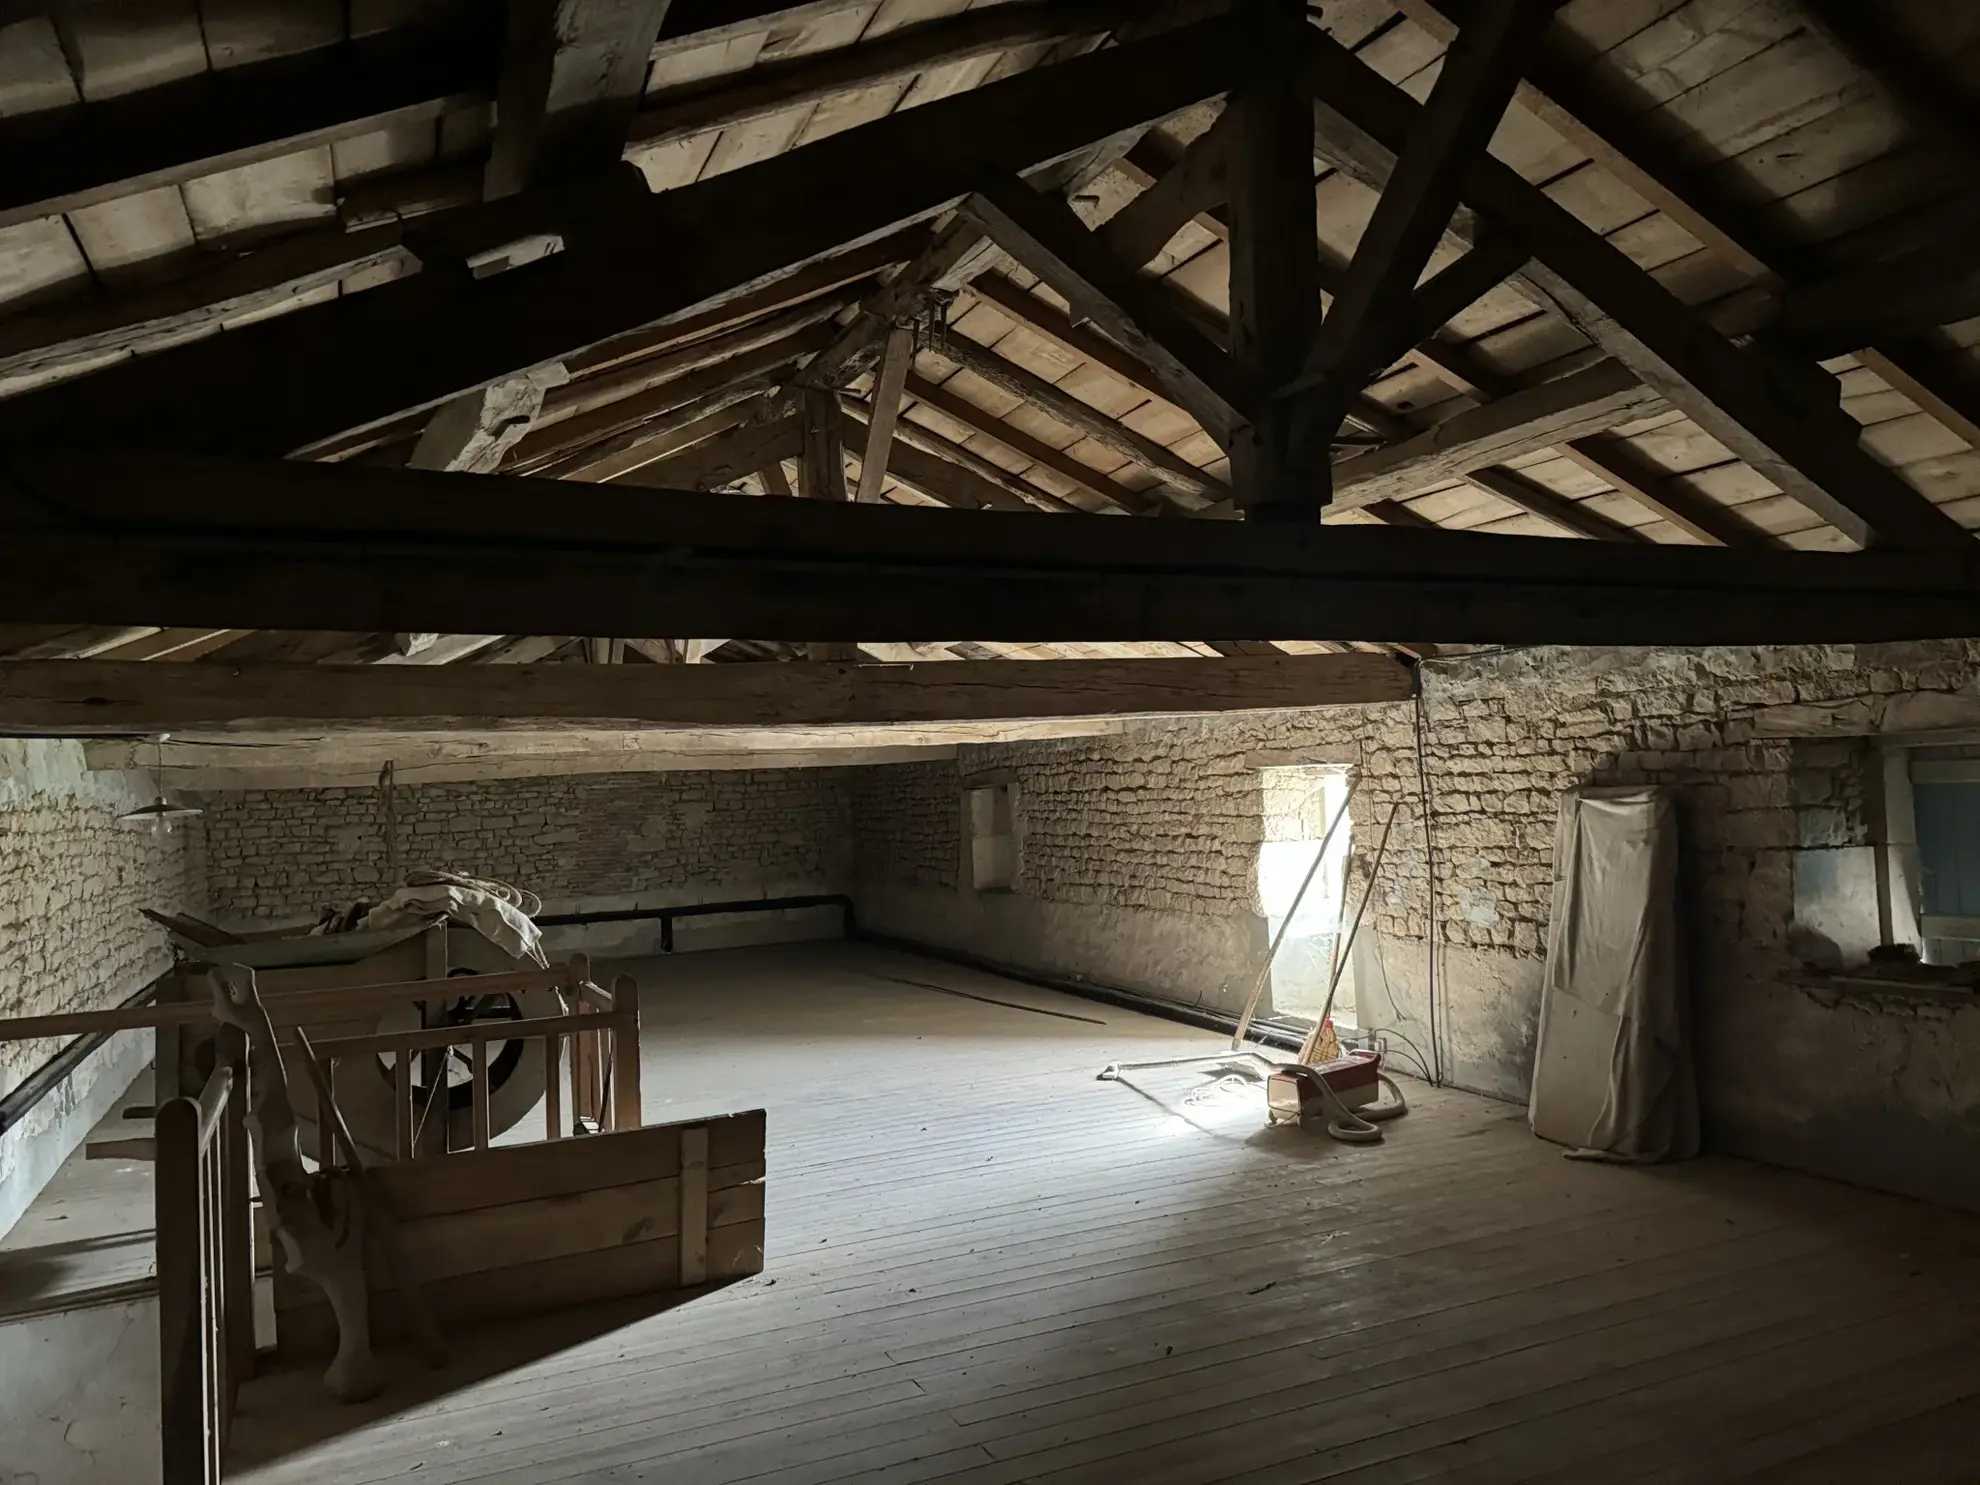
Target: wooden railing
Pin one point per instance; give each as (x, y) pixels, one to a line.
(603, 1068)
(205, 1273)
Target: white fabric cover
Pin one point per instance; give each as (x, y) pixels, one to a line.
(1612, 1073)
(495, 920)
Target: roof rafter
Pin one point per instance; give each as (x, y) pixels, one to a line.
(221, 118)
(1806, 447)
(715, 239)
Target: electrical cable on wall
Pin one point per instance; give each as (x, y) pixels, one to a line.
(1432, 921)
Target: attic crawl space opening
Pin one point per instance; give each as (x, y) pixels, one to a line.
(1298, 803)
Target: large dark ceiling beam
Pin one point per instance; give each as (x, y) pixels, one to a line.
(630, 260)
(155, 540)
(222, 118)
(1771, 414)
(82, 698)
(1915, 292)
(572, 75)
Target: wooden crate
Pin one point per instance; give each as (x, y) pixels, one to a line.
(528, 1229)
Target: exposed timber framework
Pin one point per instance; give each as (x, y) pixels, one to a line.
(1386, 327)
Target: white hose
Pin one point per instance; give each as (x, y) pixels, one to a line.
(1363, 1126)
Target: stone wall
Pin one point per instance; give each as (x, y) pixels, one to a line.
(583, 843)
(1136, 869)
(72, 939)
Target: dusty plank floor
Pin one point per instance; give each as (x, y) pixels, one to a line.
(987, 1267)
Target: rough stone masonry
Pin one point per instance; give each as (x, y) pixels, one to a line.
(1137, 869)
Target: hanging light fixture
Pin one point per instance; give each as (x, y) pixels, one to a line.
(161, 814)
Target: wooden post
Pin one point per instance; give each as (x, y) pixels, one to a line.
(480, 1092)
(626, 1109)
(402, 1105)
(1275, 261)
(553, 1086)
(822, 471)
(195, 1378)
(181, 1366)
(326, 1138)
(236, 1217)
(694, 1206)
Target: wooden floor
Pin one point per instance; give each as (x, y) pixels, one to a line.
(987, 1267)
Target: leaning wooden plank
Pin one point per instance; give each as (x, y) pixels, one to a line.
(744, 361)
(309, 547)
(630, 260)
(82, 698)
(1595, 400)
(226, 117)
(1769, 414)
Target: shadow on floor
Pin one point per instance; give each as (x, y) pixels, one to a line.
(287, 1410)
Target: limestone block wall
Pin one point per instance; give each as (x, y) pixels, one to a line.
(1136, 868)
(71, 937)
(584, 842)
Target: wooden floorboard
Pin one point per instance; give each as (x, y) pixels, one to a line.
(985, 1266)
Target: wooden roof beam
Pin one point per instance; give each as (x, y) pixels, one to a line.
(728, 405)
(79, 698)
(288, 545)
(1564, 94)
(1912, 293)
(1570, 516)
(630, 260)
(1376, 311)
(1043, 233)
(572, 75)
(226, 117)
(1805, 446)
(721, 460)
(773, 87)
(982, 421)
(1604, 396)
(1177, 474)
(958, 477)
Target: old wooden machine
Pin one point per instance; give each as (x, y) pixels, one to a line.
(363, 1108)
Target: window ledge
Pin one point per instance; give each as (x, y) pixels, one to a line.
(1852, 985)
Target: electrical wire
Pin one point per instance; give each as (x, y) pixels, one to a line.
(1417, 1057)
(1432, 919)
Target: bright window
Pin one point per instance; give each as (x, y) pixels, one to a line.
(1298, 802)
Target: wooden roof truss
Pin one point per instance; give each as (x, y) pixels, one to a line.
(984, 308)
